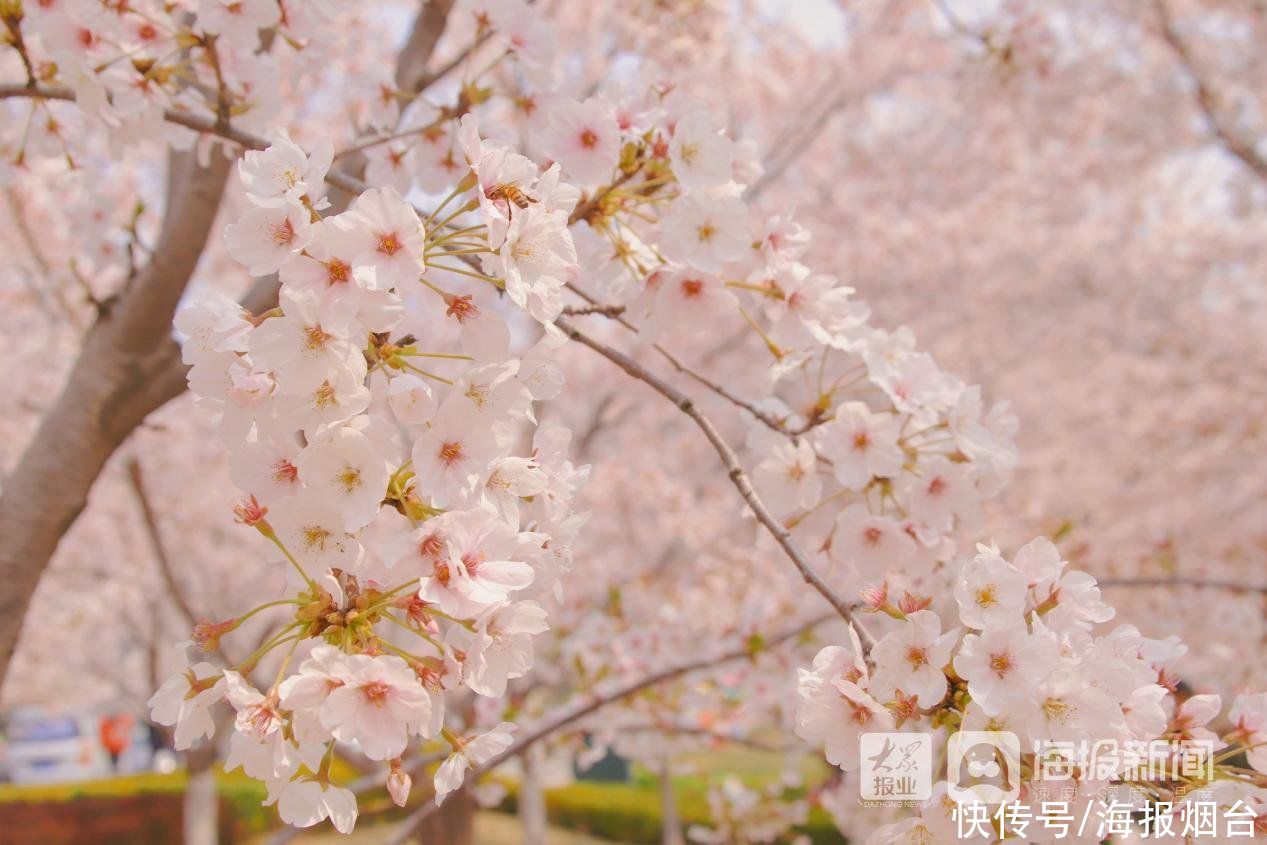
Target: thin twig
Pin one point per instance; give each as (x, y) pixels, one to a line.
(602, 309)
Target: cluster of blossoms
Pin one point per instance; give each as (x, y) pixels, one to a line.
(384, 433)
(873, 455)
(861, 443)
(1026, 651)
(129, 63)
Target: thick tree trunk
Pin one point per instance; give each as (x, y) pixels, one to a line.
(532, 799)
(128, 366)
(201, 811)
(453, 823)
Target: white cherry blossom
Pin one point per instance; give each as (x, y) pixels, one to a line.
(184, 701)
(469, 753)
(379, 705)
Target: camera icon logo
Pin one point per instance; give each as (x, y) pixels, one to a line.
(983, 767)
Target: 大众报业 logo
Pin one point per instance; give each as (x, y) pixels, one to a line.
(895, 767)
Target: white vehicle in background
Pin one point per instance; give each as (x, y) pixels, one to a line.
(43, 748)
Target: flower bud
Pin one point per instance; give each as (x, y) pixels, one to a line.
(910, 603)
(251, 512)
(874, 597)
(207, 634)
(398, 783)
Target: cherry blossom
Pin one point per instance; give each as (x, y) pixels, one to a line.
(304, 803)
(470, 752)
(990, 592)
(585, 139)
(705, 231)
(377, 705)
(184, 701)
(913, 658)
(861, 445)
(701, 155)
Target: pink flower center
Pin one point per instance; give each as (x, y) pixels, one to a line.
(283, 232)
(451, 452)
(389, 244)
(316, 337)
(376, 693)
(284, 472)
(472, 561)
(462, 308)
(337, 271)
(859, 714)
(430, 546)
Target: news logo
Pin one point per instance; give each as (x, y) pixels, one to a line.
(895, 768)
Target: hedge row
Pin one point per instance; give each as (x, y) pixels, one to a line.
(631, 813)
(620, 812)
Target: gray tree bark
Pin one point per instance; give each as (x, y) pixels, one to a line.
(532, 799)
(200, 816)
(453, 823)
(670, 820)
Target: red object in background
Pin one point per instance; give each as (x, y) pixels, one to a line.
(116, 733)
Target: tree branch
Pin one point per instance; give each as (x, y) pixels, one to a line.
(734, 469)
(198, 123)
(1208, 99)
(411, 65)
(157, 545)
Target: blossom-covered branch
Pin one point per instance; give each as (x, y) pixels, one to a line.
(552, 726)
